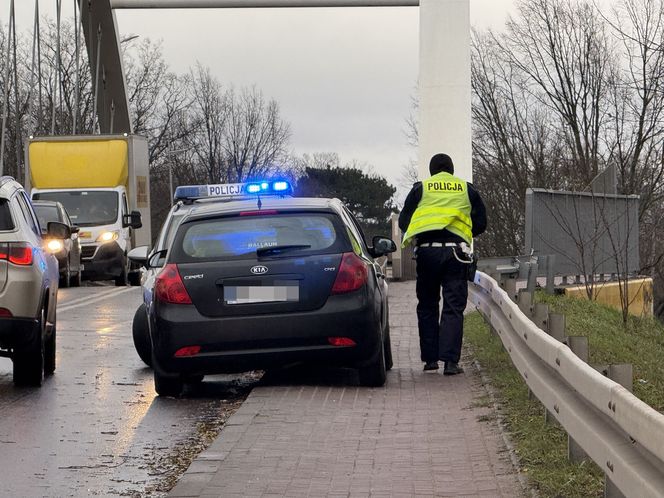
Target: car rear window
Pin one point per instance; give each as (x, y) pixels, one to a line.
(6, 222)
(240, 236)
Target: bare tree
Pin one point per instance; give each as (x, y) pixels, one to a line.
(563, 49)
(255, 137)
(157, 98)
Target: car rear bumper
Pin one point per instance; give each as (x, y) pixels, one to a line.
(19, 333)
(236, 344)
(105, 263)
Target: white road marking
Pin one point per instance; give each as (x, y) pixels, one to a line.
(95, 299)
(92, 296)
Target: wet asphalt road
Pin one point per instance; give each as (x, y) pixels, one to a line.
(96, 428)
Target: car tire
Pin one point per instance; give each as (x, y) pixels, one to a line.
(123, 279)
(28, 365)
(76, 281)
(65, 281)
(135, 278)
(141, 334)
(168, 385)
(387, 343)
(49, 353)
(374, 374)
(194, 379)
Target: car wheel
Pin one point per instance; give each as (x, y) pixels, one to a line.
(194, 379)
(29, 363)
(141, 335)
(167, 385)
(123, 279)
(76, 281)
(135, 278)
(49, 354)
(388, 349)
(65, 281)
(374, 374)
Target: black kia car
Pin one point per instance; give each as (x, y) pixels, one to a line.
(264, 281)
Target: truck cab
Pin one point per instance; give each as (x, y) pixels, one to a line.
(106, 226)
(103, 183)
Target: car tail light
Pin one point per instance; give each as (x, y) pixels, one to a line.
(169, 287)
(187, 351)
(5, 313)
(352, 275)
(18, 253)
(341, 341)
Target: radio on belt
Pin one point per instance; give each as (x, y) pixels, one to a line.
(234, 191)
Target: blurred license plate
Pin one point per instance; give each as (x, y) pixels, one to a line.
(261, 294)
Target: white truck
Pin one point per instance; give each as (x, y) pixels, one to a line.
(103, 182)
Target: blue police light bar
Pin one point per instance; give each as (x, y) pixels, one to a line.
(233, 190)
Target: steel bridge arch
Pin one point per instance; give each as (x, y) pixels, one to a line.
(444, 78)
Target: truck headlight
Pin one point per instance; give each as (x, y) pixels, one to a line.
(55, 245)
(107, 237)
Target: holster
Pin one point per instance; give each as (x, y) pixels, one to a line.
(472, 269)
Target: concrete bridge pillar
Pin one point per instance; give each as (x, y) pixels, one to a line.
(444, 84)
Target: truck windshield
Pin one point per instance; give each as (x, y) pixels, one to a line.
(86, 207)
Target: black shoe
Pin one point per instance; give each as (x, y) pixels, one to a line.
(431, 365)
(452, 368)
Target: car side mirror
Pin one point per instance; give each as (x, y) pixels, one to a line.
(157, 259)
(382, 246)
(57, 230)
(132, 220)
(139, 255)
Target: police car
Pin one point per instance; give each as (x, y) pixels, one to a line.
(249, 278)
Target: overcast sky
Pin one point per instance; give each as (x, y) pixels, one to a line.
(343, 77)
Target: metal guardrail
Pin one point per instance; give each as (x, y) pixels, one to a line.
(620, 433)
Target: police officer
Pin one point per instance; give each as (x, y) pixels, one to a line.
(440, 215)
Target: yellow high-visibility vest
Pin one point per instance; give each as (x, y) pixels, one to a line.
(444, 205)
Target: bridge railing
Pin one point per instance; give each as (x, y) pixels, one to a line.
(620, 433)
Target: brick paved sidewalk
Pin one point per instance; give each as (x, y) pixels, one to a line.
(420, 435)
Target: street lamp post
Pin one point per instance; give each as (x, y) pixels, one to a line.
(170, 169)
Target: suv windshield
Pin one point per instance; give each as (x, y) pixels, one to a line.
(86, 208)
(6, 222)
(241, 236)
(45, 214)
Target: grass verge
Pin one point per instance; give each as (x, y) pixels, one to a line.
(541, 448)
(639, 342)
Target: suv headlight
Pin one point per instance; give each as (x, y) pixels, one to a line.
(108, 237)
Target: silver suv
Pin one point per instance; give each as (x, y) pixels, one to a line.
(28, 286)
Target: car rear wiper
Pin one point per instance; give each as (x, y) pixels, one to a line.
(267, 251)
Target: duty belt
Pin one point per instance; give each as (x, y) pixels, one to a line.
(438, 244)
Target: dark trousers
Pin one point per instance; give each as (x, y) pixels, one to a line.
(440, 336)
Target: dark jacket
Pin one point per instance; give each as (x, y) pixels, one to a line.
(477, 214)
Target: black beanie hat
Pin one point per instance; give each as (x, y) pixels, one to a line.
(441, 162)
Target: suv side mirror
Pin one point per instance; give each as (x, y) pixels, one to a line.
(382, 246)
(132, 220)
(139, 255)
(57, 230)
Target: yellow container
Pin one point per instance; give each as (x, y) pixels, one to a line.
(639, 294)
(78, 164)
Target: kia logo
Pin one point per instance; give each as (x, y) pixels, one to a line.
(259, 270)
